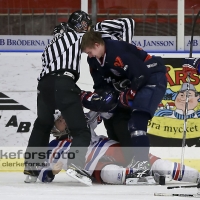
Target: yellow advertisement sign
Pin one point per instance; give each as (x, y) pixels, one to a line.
(168, 120)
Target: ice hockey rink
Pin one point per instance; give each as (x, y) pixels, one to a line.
(12, 187)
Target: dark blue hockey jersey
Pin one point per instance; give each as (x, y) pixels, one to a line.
(124, 61)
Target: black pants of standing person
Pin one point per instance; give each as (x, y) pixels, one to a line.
(117, 129)
(58, 91)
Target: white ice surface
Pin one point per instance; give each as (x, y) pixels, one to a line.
(12, 187)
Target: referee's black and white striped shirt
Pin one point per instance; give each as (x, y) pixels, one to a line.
(122, 28)
(64, 54)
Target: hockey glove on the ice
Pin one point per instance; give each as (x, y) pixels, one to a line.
(191, 65)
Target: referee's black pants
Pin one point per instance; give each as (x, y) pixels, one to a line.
(59, 91)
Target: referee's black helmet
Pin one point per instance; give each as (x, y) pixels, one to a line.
(79, 21)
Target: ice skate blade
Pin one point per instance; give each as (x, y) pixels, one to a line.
(80, 178)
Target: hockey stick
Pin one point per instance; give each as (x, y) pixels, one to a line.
(183, 186)
(186, 102)
(191, 44)
(178, 195)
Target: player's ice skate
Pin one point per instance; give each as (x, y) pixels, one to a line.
(31, 174)
(140, 177)
(30, 179)
(79, 175)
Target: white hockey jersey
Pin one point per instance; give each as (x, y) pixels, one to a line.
(58, 152)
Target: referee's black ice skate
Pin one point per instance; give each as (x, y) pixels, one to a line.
(79, 174)
(32, 174)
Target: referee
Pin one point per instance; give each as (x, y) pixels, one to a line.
(57, 89)
(121, 28)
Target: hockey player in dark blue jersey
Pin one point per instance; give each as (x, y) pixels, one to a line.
(115, 62)
(116, 29)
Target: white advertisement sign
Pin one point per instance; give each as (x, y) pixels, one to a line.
(155, 43)
(18, 105)
(38, 43)
(196, 43)
(24, 42)
(148, 43)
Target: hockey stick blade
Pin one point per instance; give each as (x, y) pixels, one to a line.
(183, 186)
(178, 195)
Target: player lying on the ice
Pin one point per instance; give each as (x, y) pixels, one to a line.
(104, 160)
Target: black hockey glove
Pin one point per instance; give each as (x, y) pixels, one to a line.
(59, 29)
(104, 102)
(122, 85)
(125, 97)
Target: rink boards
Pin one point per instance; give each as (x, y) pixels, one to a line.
(18, 83)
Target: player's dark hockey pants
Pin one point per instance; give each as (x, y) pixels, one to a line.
(146, 100)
